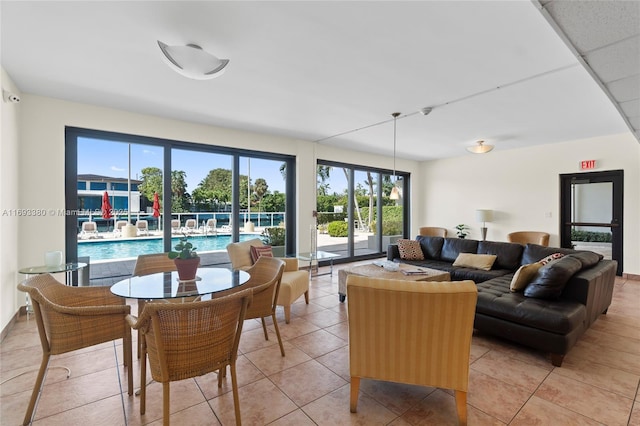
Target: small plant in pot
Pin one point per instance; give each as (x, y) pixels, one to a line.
(462, 230)
(186, 259)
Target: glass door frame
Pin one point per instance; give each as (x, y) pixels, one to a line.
(616, 177)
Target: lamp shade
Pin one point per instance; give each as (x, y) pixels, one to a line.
(484, 215)
(192, 61)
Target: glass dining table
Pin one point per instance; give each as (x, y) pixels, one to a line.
(165, 285)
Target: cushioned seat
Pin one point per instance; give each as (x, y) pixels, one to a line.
(294, 282)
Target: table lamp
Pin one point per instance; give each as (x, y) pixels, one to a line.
(484, 216)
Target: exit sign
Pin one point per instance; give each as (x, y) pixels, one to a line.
(587, 164)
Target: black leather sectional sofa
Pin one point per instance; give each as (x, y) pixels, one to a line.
(575, 292)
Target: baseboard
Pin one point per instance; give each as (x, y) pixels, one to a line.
(12, 321)
(633, 277)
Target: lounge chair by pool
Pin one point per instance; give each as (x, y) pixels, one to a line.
(89, 230)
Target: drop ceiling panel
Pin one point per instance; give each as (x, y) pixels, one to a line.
(616, 61)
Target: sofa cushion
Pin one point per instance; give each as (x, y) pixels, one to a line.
(452, 247)
(557, 316)
(524, 275)
(552, 277)
(534, 252)
(410, 249)
(431, 246)
(587, 258)
(459, 273)
(508, 254)
(475, 261)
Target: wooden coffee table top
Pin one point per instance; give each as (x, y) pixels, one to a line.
(371, 270)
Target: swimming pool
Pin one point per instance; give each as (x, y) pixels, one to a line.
(122, 249)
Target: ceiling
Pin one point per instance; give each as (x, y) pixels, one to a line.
(331, 71)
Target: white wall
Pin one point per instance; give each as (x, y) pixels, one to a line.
(9, 122)
(522, 187)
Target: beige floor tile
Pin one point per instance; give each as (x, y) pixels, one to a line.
(252, 340)
(320, 381)
(246, 373)
(439, 409)
(333, 409)
(495, 397)
(261, 402)
(634, 420)
(325, 318)
(538, 411)
(318, 343)
(297, 327)
(198, 415)
(595, 403)
(340, 330)
(396, 397)
(103, 412)
(510, 370)
(625, 361)
(601, 376)
(337, 361)
(183, 394)
(270, 361)
(77, 391)
(296, 418)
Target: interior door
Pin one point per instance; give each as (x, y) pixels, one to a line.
(591, 213)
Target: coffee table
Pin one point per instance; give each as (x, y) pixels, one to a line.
(374, 271)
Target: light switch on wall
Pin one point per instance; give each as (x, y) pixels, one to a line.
(547, 214)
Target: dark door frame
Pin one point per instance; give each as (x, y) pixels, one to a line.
(614, 176)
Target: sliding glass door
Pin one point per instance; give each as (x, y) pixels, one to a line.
(350, 201)
(133, 195)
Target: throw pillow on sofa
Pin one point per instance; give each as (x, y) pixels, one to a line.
(257, 251)
(410, 249)
(523, 276)
(552, 277)
(475, 261)
(550, 258)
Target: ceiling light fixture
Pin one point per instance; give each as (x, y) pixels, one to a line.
(480, 148)
(395, 192)
(192, 61)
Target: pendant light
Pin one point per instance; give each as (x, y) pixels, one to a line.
(395, 192)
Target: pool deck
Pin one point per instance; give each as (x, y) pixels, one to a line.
(102, 273)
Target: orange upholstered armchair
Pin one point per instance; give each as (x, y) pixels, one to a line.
(525, 237)
(432, 231)
(411, 332)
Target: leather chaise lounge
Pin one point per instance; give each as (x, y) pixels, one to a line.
(560, 303)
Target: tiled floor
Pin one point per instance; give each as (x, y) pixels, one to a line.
(597, 384)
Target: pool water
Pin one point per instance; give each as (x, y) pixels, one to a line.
(114, 249)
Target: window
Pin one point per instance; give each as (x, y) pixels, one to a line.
(207, 185)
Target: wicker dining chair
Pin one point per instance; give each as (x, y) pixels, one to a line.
(190, 339)
(266, 275)
(71, 318)
(147, 264)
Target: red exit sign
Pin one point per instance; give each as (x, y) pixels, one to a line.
(587, 164)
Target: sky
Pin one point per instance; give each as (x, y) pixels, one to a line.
(109, 158)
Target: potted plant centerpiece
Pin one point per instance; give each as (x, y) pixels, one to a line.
(186, 259)
(462, 230)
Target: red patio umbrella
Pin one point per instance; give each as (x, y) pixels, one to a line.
(156, 205)
(106, 206)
